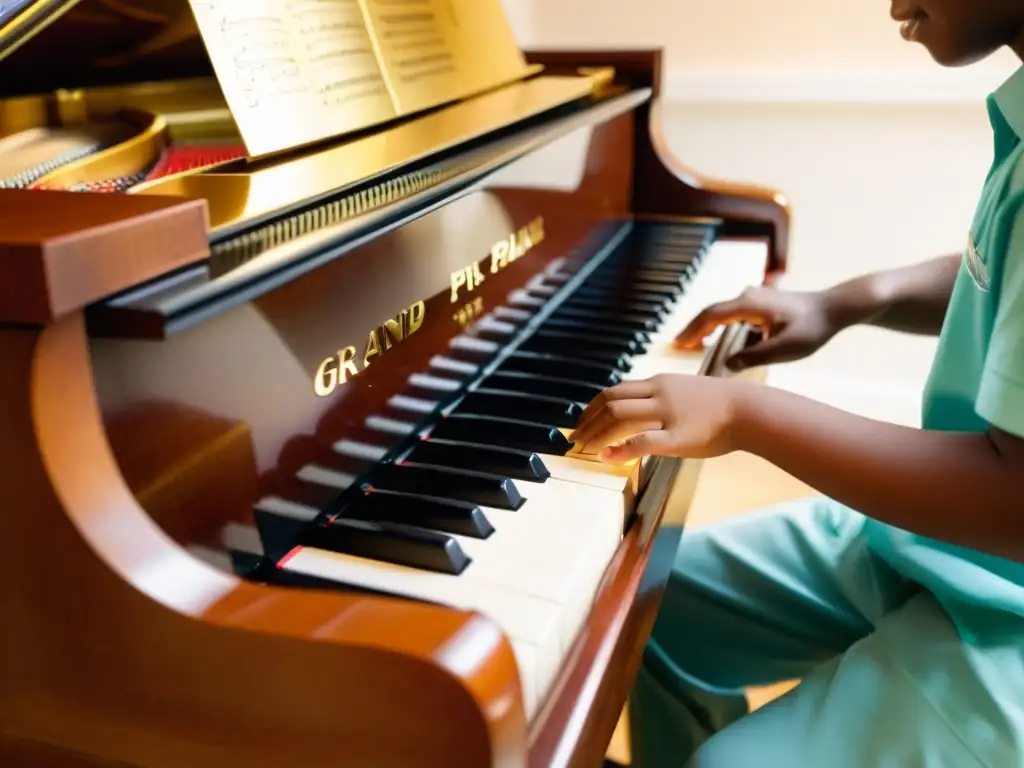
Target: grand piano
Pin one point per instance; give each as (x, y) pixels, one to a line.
(299, 301)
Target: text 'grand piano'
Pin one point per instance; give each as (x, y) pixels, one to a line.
(299, 300)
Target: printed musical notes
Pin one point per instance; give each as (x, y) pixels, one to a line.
(299, 71)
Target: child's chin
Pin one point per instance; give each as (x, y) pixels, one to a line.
(951, 56)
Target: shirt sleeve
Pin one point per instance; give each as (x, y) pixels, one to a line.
(1001, 391)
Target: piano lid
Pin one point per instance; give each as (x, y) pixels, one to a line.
(293, 72)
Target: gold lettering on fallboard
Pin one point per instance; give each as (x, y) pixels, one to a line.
(469, 311)
(502, 254)
(346, 363)
(517, 245)
(469, 277)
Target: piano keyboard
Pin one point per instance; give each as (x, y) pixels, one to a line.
(484, 507)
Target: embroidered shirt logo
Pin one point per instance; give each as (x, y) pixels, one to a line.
(976, 266)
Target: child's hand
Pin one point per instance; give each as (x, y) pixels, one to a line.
(691, 417)
(795, 325)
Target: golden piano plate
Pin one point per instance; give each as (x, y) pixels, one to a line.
(248, 194)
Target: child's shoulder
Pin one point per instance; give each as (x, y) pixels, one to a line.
(1009, 211)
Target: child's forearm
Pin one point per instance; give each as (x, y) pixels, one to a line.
(959, 488)
(910, 299)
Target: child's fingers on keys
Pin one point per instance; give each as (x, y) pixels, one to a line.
(649, 443)
(628, 390)
(611, 432)
(612, 412)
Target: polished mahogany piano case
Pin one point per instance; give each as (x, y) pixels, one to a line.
(158, 377)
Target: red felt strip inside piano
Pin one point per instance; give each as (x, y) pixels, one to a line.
(180, 159)
(173, 160)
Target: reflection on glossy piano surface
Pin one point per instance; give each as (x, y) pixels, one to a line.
(298, 301)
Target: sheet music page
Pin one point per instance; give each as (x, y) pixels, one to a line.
(294, 71)
(299, 71)
(435, 51)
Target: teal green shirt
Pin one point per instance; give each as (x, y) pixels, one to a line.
(977, 378)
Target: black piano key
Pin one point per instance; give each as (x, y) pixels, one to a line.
(267, 572)
(246, 564)
(284, 521)
(489, 459)
(539, 438)
(680, 252)
(668, 258)
(614, 295)
(635, 288)
(522, 300)
(544, 289)
(448, 483)
(550, 386)
(325, 498)
(391, 543)
(653, 270)
(641, 338)
(559, 278)
(676, 242)
(562, 368)
(623, 320)
(684, 270)
(543, 410)
(674, 234)
(660, 278)
(664, 275)
(432, 513)
(754, 335)
(499, 329)
(692, 252)
(573, 344)
(610, 308)
(628, 273)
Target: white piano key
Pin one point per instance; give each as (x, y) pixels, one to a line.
(414, 404)
(450, 365)
(521, 298)
(391, 426)
(608, 476)
(358, 450)
(526, 660)
(512, 314)
(242, 538)
(492, 324)
(556, 546)
(526, 620)
(312, 473)
(473, 344)
(436, 383)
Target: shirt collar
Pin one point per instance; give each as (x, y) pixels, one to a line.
(1009, 98)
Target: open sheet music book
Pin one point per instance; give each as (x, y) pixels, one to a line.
(295, 72)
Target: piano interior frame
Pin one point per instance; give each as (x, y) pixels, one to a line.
(89, 613)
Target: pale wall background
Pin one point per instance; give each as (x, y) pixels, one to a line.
(880, 151)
